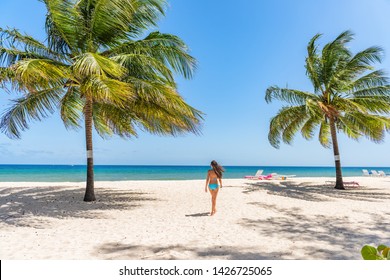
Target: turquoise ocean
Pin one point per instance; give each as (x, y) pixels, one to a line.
(77, 173)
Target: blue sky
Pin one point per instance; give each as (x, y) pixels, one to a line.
(242, 48)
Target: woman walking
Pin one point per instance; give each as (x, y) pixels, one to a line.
(214, 176)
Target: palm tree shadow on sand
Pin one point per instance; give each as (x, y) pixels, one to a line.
(315, 192)
(28, 207)
(179, 252)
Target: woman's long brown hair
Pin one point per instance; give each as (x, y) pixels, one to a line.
(217, 169)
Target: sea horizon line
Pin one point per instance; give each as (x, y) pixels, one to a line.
(186, 165)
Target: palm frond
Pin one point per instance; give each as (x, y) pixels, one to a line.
(8, 57)
(313, 64)
(110, 119)
(348, 127)
(356, 125)
(65, 33)
(145, 67)
(166, 112)
(370, 80)
(335, 55)
(167, 115)
(39, 74)
(294, 125)
(348, 105)
(71, 106)
(309, 126)
(382, 91)
(147, 14)
(18, 46)
(166, 49)
(34, 106)
(356, 66)
(340, 41)
(332, 65)
(374, 104)
(172, 51)
(291, 96)
(161, 110)
(324, 134)
(365, 58)
(108, 91)
(150, 90)
(111, 21)
(92, 64)
(6, 75)
(285, 124)
(156, 119)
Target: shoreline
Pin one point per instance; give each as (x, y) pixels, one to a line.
(295, 178)
(298, 218)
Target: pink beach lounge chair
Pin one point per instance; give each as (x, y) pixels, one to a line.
(266, 177)
(352, 184)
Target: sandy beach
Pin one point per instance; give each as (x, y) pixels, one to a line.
(294, 219)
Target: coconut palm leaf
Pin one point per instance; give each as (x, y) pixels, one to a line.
(285, 123)
(112, 21)
(16, 45)
(92, 64)
(71, 106)
(288, 95)
(371, 80)
(376, 104)
(34, 106)
(310, 126)
(313, 63)
(165, 49)
(65, 33)
(107, 91)
(110, 119)
(324, 134)
(144, 67)
(380, 91)
(38, 74)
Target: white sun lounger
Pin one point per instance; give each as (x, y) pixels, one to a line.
(375, 173)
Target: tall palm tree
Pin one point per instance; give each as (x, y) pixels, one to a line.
(349, 96)
(95, 67)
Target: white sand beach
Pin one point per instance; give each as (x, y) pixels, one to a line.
(299, 218)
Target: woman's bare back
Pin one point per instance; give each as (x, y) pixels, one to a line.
(213, 177)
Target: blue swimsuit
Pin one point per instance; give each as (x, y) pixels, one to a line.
(214, 185)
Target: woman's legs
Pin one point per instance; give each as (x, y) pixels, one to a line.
(214, 194)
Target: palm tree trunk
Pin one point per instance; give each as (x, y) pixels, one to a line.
(339, 176)
(89, 191)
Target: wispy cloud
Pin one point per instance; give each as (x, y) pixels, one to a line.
(5, 150)
(37, 152)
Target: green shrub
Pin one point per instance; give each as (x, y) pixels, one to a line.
(382, 252)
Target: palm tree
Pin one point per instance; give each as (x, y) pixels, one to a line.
(94, 67)
(349, 96)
